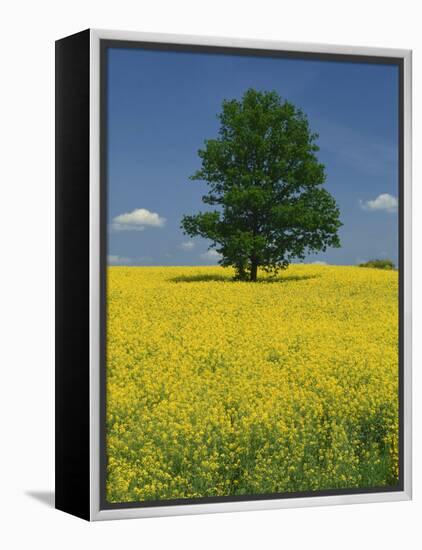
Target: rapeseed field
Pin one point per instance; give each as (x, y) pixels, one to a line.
(216, 387)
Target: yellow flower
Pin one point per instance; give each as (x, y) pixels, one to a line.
(217, 387)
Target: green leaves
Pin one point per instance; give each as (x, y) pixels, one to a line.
(203, 224)
(265, 179)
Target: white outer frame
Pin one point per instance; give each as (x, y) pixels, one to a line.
(155, 511)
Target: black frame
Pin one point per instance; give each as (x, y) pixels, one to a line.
(104, 46)
(72, 377)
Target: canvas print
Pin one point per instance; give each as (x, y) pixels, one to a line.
(252, 275)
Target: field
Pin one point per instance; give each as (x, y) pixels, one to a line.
(217, 387)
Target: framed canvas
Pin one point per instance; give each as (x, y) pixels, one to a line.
(233, 274)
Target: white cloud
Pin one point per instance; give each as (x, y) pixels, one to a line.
(115, 259)
(137, 220)
(212, 255)
(385, 202)
(188, 245)
(319, 263)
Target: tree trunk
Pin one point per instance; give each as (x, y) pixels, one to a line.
(254, 270)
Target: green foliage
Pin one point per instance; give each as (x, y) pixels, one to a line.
(379, 264)
(266, 182)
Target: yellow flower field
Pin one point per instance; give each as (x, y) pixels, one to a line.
(217, 387)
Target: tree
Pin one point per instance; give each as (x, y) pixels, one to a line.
(266, 182)
(379, 264)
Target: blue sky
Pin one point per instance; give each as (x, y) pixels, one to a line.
(162, 105)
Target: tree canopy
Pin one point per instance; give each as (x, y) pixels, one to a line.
(266, 185)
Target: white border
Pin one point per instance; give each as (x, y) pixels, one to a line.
(154, 511)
